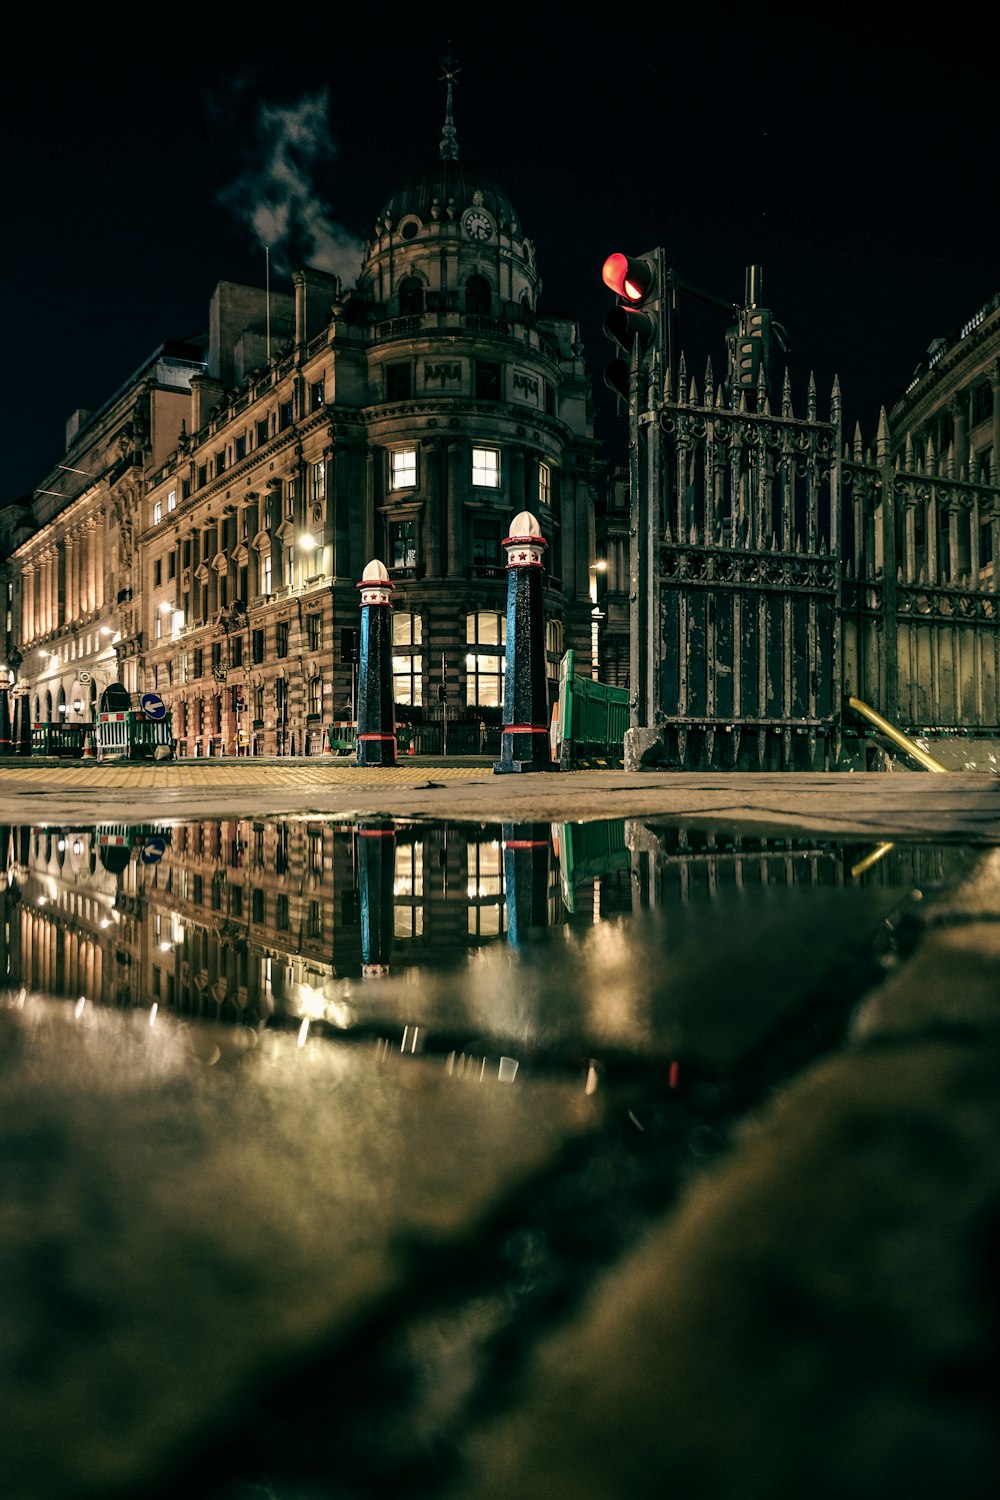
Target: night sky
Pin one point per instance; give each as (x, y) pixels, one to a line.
(856, 165)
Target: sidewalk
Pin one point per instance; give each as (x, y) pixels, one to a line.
(959, 806)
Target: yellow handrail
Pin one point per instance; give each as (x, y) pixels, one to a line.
(896, 735)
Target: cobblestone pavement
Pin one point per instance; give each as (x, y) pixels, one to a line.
(963, 805)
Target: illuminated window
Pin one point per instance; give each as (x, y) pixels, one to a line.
(315, 696)
(544, 484)
(486, 467)
(485, 664)
(172, 500)
(408, 890)
(402, 468)
(157, 512)
(317, 476)
(407, 659)
(486, 909)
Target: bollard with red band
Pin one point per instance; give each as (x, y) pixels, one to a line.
(524, 738)
(376, 726)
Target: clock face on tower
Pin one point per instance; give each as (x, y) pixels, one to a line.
(477, 224)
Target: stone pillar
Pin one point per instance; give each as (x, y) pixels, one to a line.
(376, 878)
(6, 745)
(376, 727)
(524, 738)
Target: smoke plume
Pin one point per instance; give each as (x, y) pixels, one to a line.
(279, 196)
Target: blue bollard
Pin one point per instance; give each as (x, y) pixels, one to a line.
(376, 848)
(376, 727)
(526, 880)
(524, 737)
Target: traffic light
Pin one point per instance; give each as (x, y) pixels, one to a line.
(634, 322)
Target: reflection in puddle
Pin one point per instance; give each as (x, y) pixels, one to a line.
(623, 934)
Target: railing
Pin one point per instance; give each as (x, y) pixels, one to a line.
(69, 741)
(592, 718)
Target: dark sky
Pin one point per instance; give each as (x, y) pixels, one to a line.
(856, 164)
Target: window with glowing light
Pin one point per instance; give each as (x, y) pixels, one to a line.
(402, 468)
(544, 484)
(485, 662)
(486, 468)
(407, 659)
(408, 890)
(157, 512)
(484, 889)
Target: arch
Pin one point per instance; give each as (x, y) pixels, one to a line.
(48, 706)
(478, 295)
(37, 719)
(61, 705)
(411, 296)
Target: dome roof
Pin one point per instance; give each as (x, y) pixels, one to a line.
(443, 180)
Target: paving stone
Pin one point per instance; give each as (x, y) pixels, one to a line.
(188, 1211)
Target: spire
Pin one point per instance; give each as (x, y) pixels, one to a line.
(449, 137)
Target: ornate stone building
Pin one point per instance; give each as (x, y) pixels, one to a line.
(210, 525)
(947, 422)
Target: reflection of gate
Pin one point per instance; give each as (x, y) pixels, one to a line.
(738, 519)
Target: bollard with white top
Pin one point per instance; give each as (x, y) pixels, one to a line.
(376, 726)
(524, 737)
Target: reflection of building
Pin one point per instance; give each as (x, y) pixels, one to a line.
(948, 422)
(212, 520)
(245, 918)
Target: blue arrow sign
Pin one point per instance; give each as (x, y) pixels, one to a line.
(153, 850)
(153, 706)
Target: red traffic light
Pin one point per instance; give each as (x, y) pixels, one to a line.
(631, 279)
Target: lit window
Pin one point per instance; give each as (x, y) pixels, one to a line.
(318, 480)
(544, 484)
(407, 658)
(157, 626)
(485, 666)
(402, 468)
(486, 467)
(172, 500)
(157, 512)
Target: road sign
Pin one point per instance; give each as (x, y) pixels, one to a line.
(153, 850)
(153, 706)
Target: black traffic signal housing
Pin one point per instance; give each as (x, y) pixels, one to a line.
(634, 322)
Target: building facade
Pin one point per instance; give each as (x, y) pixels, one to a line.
(205, 537)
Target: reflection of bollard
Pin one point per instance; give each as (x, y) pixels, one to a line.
(376, 880)
(6, 748)
(376, 731)
(524, 738)
(526, 879)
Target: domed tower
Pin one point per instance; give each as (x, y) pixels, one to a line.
(479, 407)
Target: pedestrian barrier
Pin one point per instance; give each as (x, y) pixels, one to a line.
(343, 737)
(67, 741)
(591, 721)
(588, 851)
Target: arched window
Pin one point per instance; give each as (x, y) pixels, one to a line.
(411, 296)
(478, 295)
(48, 707)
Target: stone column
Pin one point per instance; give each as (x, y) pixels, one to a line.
(376, 727)
(524, 738)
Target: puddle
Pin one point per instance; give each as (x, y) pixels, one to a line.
(527, 944)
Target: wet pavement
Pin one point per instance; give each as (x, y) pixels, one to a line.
(360, 1149)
